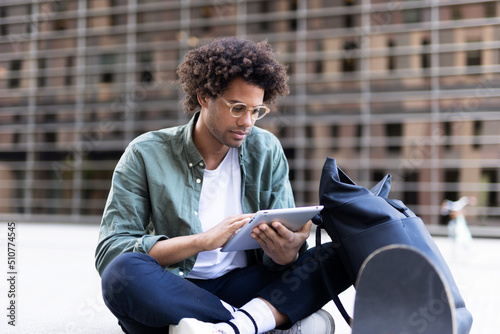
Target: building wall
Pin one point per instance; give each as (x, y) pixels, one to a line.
(407, 88)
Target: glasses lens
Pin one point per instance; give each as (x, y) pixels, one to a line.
(260, 112)
(238, 109)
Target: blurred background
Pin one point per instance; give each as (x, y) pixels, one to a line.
(410, 88)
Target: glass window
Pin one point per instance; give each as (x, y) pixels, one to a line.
(489, 194)
(477, 131)
(410, 193)
(393, 133)
(15, 73)
(107, 60)
(452, 179)
(473, 58)
(3, 27)
(490, 9)
(412, 15)
(425, 57)
(350, 60)
(41, 72)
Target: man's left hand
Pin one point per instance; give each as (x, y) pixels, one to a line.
(279, 243)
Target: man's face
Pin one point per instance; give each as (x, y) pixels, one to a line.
(222, 126)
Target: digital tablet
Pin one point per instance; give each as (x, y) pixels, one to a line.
(292, 218)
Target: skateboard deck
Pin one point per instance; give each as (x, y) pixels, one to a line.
(400, 291)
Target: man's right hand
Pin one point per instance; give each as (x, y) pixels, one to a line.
(218, 235)
(177, 249)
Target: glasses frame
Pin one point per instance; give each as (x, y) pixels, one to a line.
(251, 109)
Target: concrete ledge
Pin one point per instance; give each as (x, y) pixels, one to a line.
(476, 231)
(491, 232)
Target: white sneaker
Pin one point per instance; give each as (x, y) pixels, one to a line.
(320, 322)
(193, 326)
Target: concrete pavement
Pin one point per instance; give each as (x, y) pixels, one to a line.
(57, 289)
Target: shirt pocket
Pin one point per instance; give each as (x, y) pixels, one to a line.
(258, 198)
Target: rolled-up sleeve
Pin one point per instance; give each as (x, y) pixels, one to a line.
(126, 218)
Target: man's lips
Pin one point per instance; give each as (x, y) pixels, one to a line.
(240, 134)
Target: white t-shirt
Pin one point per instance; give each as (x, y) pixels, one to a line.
(220, 198)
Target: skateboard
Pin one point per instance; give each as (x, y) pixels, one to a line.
(400, 291)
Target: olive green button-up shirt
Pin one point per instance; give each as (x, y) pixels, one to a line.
(156, 189)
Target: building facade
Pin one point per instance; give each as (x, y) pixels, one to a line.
(410, 88)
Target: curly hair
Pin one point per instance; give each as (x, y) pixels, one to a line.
(209, 69)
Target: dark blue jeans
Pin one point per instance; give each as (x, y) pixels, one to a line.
(147, 299)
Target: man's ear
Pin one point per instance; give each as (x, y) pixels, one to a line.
(202, 100)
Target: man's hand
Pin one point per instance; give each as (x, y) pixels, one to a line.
(176, 249)
(279, 243)
(217, 236)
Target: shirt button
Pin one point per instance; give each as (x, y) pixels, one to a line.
(181, 273)
(190, 164)
(202, 164)
(196, 213)
(198, 180)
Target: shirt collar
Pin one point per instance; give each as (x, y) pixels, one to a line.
(193, 156)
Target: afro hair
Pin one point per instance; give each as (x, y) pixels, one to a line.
(209, 69)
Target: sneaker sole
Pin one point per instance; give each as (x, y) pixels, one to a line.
(328, 317)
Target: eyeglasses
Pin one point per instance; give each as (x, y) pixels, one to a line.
(239, 109)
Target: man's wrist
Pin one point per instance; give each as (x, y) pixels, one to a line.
(200, 242)
(287, 262)
(294, 259)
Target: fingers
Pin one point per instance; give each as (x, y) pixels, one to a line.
(220, 233)
(259, 233)
(267, 235)
(278, 229)
(240, 222)
(234, 218)
(306, 228)
(279, 243)
(282, 230)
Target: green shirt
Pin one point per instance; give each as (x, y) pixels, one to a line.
(156, 189)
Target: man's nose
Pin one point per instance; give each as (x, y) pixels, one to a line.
(246, 119)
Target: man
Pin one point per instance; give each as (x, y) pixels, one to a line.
(178, 194)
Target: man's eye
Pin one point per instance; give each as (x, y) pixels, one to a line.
(259, 112)
(239, 108)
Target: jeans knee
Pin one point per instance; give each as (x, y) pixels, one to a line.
(121, 274)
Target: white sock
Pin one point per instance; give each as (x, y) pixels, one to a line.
(253, 317)
(229, 307)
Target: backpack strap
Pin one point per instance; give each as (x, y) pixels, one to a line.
(334, 295)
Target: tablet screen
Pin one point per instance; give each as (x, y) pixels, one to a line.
(291, 218)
